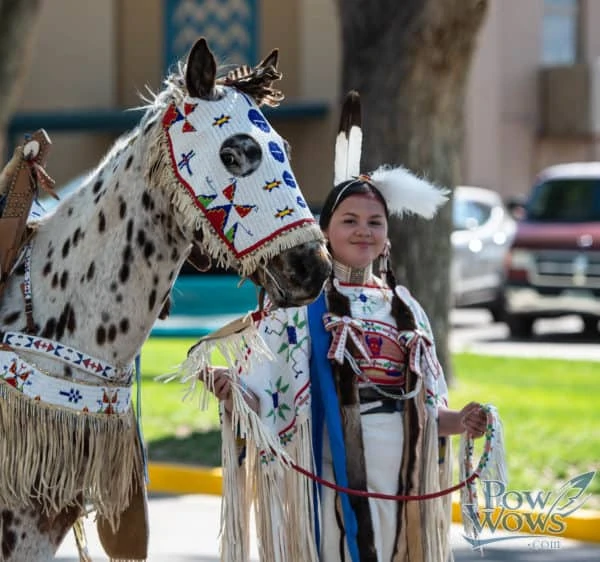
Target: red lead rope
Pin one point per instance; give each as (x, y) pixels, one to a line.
(485, 457)
(378, 495)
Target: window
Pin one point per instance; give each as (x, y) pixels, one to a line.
(565, 200)
(230, 27)
(468, 215)
(560, 32)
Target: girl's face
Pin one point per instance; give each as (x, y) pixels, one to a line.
(357, 231)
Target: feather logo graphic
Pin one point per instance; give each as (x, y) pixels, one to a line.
(570, 496)
(527, 512)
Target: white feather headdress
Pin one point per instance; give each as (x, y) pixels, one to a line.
(403, 191)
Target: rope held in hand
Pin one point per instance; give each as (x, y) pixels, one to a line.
(489, 436)
(241, 324)
(379, 495)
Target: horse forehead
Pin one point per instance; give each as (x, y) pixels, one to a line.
(234, 112)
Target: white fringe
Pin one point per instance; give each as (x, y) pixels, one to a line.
(51, 454)
(239, 348)
(282, 498)
(435, 513)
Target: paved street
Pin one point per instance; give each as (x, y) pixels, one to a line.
(561, 338)
(185, 529)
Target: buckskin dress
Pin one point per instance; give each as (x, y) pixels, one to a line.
(351, 395)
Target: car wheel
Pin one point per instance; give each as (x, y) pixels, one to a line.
(520, 327)
(497, 309)
(590, 325)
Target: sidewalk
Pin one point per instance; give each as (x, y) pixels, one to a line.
(583, 525)
(185, 529)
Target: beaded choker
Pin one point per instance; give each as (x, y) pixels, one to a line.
(352, 275)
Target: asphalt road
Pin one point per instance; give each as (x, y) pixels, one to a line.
(472, 330)
(185, 529)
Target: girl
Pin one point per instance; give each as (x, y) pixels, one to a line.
(354, 396)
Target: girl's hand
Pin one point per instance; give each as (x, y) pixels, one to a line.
(222, 389)
(473, 418)
(222, 382)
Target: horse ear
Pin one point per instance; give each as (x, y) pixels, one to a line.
(270, 60)
(201, 70)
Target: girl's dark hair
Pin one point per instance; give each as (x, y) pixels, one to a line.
(343, 190)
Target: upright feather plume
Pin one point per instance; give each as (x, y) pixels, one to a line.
(348, 144)
(258, 81)
(403, 191)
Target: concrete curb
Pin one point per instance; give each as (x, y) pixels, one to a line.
(168, 478)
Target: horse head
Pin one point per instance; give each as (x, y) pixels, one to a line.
(231, 180)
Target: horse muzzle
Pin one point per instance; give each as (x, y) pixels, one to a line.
(296, 276)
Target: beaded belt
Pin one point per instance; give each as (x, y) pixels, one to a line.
(70, 356)
(19, 376)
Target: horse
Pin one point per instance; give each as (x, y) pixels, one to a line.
(204, 174)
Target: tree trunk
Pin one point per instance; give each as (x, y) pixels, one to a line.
(18, 22)
(409, 60)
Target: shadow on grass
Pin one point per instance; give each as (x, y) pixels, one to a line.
(201, 448)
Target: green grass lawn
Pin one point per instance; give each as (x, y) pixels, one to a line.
(549, 410)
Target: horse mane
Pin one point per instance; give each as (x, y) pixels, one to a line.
(255, 82)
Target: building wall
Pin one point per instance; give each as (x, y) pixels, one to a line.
(502, 98)
(292, 27)
(73, 68)
(106, 54)
(504, 146)
(103, 55)
(482, 156)
(581, 147)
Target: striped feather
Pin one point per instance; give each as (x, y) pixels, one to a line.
(348, 144)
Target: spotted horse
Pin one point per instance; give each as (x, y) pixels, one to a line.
(205, 171)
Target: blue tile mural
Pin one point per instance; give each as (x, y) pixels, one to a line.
(230, 27)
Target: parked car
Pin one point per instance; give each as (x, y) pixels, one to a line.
(483, 230)
(553, 267)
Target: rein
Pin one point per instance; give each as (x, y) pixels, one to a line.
(483, 461)
(381, 496)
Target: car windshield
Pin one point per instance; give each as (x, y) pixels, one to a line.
(565, 200)
(467, 215)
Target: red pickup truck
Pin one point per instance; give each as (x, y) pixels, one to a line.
(553, 266)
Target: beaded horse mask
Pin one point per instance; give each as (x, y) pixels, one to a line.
(252, 202)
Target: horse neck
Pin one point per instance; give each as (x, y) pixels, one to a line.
(104, 263)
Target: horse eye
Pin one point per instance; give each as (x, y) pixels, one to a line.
(241, 155)
(228, 158)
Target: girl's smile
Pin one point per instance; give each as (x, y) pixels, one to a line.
(357, 231)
